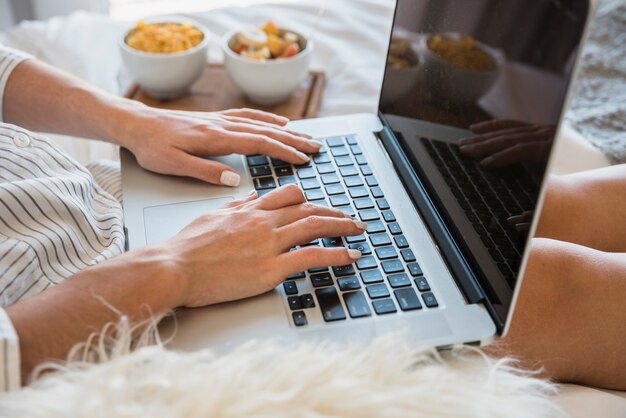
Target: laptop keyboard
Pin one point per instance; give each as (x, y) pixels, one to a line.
(387, 279)
(488, 200)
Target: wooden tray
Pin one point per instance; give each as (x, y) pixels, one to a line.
(215, 91)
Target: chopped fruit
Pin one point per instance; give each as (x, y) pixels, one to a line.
(253, 37)
(238, 47)
(257, 54)
(290, 51)
(290, 38)
(271, 28)
(267, 42)
(276, 45)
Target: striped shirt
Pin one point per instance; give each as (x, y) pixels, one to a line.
(56, 218)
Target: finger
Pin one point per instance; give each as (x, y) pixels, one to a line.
(532, 151)
(479, 139)
(210, 171)
(295, 141)
(496, 125)
(284, 196)
(257, 115)
(291, 214)
(310, 257)
(252, 144)
(500, 143)
(238, 202)
(312, 227)
(261, 123)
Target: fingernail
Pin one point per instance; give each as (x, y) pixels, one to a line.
(228, 178)
(304, 157)
(317, 144)
(486, 162)
(354, 254)
(252, 193)
(361, 225)
(347, 215)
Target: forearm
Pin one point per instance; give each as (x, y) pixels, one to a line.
(41, 98)
(136, 284)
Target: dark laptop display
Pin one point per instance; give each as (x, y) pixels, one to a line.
(498, 78)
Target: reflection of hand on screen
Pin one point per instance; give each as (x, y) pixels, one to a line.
(502, 142)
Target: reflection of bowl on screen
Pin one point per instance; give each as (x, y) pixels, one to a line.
(463, 72)
(402, 70)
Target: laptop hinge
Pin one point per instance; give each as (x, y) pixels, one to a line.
(452, 255)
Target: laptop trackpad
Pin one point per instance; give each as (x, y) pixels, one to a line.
(165, 221)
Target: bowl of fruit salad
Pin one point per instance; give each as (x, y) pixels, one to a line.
(266, 63)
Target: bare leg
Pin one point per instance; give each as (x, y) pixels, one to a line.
(570, 317)
(587, 208)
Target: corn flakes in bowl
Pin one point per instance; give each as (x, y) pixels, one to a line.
(165, 55)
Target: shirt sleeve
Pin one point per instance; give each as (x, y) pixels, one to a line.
(9, 59)
(9, 355)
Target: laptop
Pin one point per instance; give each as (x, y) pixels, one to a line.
(447, 236)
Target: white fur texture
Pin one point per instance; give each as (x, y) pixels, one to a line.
(385, 379)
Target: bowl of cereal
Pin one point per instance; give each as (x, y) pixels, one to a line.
(266, 63)
(457, 67)
(165, 55)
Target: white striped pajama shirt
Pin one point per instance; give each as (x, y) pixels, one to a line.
(56, 218)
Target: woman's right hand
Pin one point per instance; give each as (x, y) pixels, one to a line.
(243, 249)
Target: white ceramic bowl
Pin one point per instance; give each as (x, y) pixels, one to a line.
(447, 81)
(166, 75)
(269, 81)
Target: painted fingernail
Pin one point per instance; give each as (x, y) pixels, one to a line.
(228, 178)
(317, 144)
(361, 225)
(304, 157)
(354, 254)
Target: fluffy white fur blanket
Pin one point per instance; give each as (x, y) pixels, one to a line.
(388, 378)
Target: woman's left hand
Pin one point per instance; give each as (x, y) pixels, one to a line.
(177, 142)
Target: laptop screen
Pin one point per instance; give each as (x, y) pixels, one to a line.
(474, 90)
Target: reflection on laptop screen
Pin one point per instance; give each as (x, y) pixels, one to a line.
(497, 72)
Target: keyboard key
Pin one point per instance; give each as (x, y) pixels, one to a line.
(392, 266)
(336, 141)
(407, 299)
(262, 193)
(361, 246)
(294, 302)
(283, 181)
(351, 139)
(321, 158)
(401, 241)
(332, 242)
(422, 284)
(388, 216)
(356, 304)
(260, 171)
(356, 192)
(330, 178)
(256, 160)
(347, 270)
(407, 255)
(340, 200)
(365, 263)
(394, 228)
(325, 168)
(360, 159)
(296, 276)
(299, 318)
(309, 184)
(339, 151)
(386, 253)
(315, 194)
(429, 300)
(378, 240)
(314, 242)
(334, 189)
(343, 161)
(347, 210)
(307, 301)
(415, 269)
(384, 306)
(290, 287)
(366, 170)
(348, 170)
(371, 181)
(399, 280)
(264, 183)
(353, 181)
(356, 150)
(371, 276)
(348, 283)
(363, 203)
(377, 291)
(355, 238)
(321, 203)
(318, 269)
(330, 305)
(377, 192)
(369, 215)
(306, 173)
(279, 163)
(283, 171)
(321, 279)
(375, 227)
(382, 204)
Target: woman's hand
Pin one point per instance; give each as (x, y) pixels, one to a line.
(244, 249)
(176, 142)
